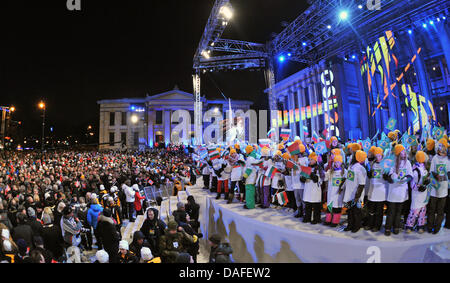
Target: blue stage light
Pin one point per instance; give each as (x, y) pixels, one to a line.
(133, 108)
(343, 15)
(443, 18)
(424, 25)
(304, 43)
(360, 6)
(410, 31)
(281, 58)
(328, 27)
(431, 23)
(289, 54)
(353, 57)
(438, 19)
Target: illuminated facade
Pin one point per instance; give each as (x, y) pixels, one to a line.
(403, 75)
(142, 122)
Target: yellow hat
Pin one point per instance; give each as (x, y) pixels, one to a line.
(286, 155)
(298, 141)
(278, 153)
(430, 144)
(232, 151)
(302, 148)
(372, 149)
(336, 151)
(265, 151)
(421, 157)
(338, 158)
(249, 149)
(398, 149)
(361, 156)
(444, 142)
(218, 149)
(333, 139)
(392, 135)
(237, 146)
(378, 150)
(280, 146)
(313, 155)
(355, 147)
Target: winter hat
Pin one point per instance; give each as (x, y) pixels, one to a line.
(392, 135)
(444, 141)
(378, 150)
(398, 149)
(114, 189)
(102, 188)
(22, 245)
(286, 156)
(372, 149)
(421, 157)
(138, 235)
(236, 146)
(146, 253)
(249, 149)
(38, 241)
(336, 151)
(215, 238)
(278, 153)
(5, 234)
(280, 146)
(355, 147)
(172, 225)
(233, 151)
(313, 155)
(7, 247)
(333, 139)
(31, 212)
(102, 256)
(265, 152)
(302, 148)
(183, 258)
(123, 245)
(338, 158)
(67, 210)
(135, 187)
(430, 144)
(361, 156)
(107, 212)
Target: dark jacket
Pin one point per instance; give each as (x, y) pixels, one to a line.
(153, 230)
(53, 240)
(220, 253)
(109, 237)
(35, 225)
(171, 245)
(130, 257)
(135, 247)
(23, 231)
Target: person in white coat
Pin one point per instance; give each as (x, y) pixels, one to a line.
(237, 165)
(297, 185)
(312, 192)
(398, 179)
(439, 168)
(335, 178)
(377, 193)
(419, 195)
(129, 194)
(206, 172)
(353, 194)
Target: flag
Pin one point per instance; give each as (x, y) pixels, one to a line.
(259, 163)
(294, 148)
(255, 155)
(271, 133)
(438, 133)
(366, 144)
(320, 148)
(328, 144)
(325, 133)
(330, 206)
(391, 124)
(248, 172)
(378, 131)
(150, 182)
(384, 137)
(285, 133)
(271, 171)
(387, 163)
(412, 141)
(383, 144)
(265, 143)
(306, 171)
(433, 183)
(291, 165)
(197, 171)
(315, 137)
(214, 155)
(282, 198)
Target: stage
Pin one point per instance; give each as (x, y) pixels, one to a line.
(275, 236)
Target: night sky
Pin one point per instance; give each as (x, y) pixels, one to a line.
(118, 49)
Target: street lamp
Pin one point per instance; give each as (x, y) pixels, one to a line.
(41, 105)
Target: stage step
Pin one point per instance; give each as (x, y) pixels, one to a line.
(132, 227)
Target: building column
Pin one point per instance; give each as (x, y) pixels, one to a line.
(311, 94)
(445, 42)
(151, 123)
(299, 92)
(167, 126)
(291, 106)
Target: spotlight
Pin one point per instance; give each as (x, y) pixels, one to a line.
(281, 58)
(443, 18)
(226, 12)
(431, 23)
(424, 25)
(343, 15)
(353, 57)
(289, 54)
(410, 31)
(328, 27)
(359, 6)
(304, 43)
(438, 19)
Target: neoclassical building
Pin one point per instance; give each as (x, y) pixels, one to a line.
(141, 122)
